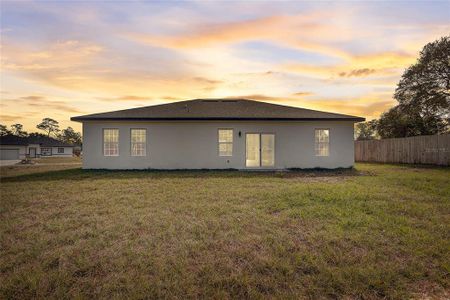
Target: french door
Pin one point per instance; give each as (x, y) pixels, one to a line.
(260, 150)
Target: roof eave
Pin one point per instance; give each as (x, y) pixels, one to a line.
(81, 119)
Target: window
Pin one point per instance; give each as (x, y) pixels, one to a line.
(60, 150)
(46, 151)
(322, 142)
(225, 142)
(138, 142)
(111, 142)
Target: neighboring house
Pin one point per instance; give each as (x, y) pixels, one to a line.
(217, 134)
(15, 147)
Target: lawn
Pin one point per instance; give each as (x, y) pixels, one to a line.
(41, 165)
(380, 231)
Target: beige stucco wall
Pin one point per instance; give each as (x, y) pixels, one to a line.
(193, 145)
(37, 147)
(68, 152)
(25, 150)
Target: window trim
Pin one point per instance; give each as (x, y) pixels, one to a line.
(131, 142)
(315, 143)
(118, 142)
(59, 148)
(51, 151)
(219, 142)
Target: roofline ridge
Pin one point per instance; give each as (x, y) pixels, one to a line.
(99, 115)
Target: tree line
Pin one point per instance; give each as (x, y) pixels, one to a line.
(423, 96)
(51, 129)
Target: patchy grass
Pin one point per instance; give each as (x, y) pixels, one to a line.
(378, 232)
(42, 165)
(59, 160)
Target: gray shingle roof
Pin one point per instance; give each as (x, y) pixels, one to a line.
(10, 139)
(218, 109)
(42, 140)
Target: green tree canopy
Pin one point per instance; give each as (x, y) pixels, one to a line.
(70, 136)
(49, 126)
(423, 94)
(17, 129)
(4, 130)
(366, 130)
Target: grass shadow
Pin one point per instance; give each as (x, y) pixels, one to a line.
(78, 174)
(406, 166)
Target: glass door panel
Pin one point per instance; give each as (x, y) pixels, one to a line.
(267, 150)
(252, 155)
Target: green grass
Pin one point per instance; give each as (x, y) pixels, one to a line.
(380, 231)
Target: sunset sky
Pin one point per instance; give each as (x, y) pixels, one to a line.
(61, 59)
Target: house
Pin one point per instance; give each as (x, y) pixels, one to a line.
(217, 134)
(15, 147)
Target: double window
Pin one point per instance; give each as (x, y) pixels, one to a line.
(322, 142)
(225, 141)
(111, 142)
(46, 151)
(60, 150)
(138, 142)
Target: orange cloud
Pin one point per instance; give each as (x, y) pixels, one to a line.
(302, 94)
(379, 64)
(370, 110)
(67, 54)
(39, 102)
(261, 97)
(207, 81)
(255, 97)
(32, 98)
(78, 66)
(14, 117)
(125, 98)
(297, 31)
(357, 73)
(370, 106)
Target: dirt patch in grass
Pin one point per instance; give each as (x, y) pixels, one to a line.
(69, 233)
(58, 160)
(322, 179)
(324, 176)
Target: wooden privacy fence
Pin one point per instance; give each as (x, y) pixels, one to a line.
(425, 149)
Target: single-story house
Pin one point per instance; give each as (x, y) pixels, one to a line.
(217, 134)
(15, 147)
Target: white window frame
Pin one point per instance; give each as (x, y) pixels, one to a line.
(318, 145)
(225, 143)
(45, 152)
(104, 143)
(140, 143)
